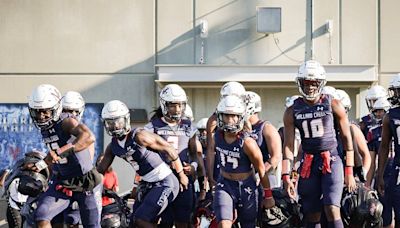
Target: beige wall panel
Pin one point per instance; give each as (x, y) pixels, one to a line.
(137, 91)
(385, 79)
(203, 102)
(359, 32)
(233, 37)
(390, 36)
(70, 36)
(175, 34)
(326, 47)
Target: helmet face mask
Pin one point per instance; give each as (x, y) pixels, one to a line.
(116, 127)
(230, 122)
(371, 102)
(394, 96)
(202, 133)
(43, 118)
(201, 127)
(76, 113)
(310, 88)
(174, 110)
(116, 118)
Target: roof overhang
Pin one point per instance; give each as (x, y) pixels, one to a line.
(263, 76)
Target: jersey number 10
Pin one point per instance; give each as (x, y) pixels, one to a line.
(316, 126)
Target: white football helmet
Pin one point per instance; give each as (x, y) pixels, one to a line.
(172, 93)
(311, 78)
(232, 88)
(189, 112)
(253, 103)
(45, 98)
(289, 101)
(231, 105)
(381, 103)
(330, 90)
(202, 124)
(116, 118)
(344, 98)
(73, 102)
(394, 90)
(373, 94)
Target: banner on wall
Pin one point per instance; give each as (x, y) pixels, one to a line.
(18, 134)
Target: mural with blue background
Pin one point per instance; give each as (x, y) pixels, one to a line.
(19, 135)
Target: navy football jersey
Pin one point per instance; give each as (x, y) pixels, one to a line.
(374, 137)
(257, 130)
(394, 116)
(177, 135)
(369, 122)
(231, 156)
(76, 164)
(315, 123)
(141, 159)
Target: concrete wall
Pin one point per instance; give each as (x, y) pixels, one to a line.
(389, 37)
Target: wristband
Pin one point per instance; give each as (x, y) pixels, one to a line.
(174, 159)
(195, 165)
(286, 177)
(178, 172)
(267, 193)
(348, 170)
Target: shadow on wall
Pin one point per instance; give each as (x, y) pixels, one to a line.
(138, 90)
(317, 33)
